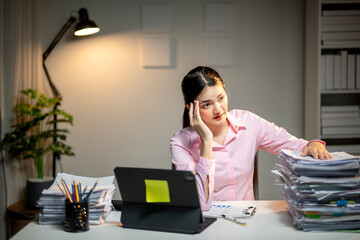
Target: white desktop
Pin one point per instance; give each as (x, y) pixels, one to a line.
(271, 221)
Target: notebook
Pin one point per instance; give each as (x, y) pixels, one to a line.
(161, 200)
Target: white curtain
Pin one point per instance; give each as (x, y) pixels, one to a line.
(24, 71)
(27, 62)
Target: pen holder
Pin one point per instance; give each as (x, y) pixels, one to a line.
(76, 216)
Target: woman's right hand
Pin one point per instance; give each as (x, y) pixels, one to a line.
(206, 136)
(197, 123)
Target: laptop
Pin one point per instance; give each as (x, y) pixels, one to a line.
(161, 200)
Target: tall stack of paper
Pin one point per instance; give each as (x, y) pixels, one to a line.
(52, 200)
(322, 195)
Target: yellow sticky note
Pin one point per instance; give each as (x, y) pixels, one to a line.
(157, 191)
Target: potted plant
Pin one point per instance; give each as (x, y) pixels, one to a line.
(32, 137)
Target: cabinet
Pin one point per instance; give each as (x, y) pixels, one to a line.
(19, 216)
(332, 73)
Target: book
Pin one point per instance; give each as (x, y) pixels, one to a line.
(340, 28)
(340, 20)
(341, 130)
(329, 76)
(343, 70)
(340, 36)
(357, 84)
(328, 122)
(337, 72)
(340, 115)
(348, 43)
(341, 13)
(340, 108)
(322, 72)
(351, 71)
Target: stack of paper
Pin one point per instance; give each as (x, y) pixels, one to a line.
(322, 194)
(52, 200)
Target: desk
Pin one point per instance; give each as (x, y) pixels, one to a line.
(19, 216)
(271, 221)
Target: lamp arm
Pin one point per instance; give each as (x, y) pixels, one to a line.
(54, 90)
(66, 26)
(52, 45)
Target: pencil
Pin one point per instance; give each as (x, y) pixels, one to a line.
(83, 193)
(62, 190)
(66, 189)
(91, 190)
(73, 190)
(80, 190)
(77, 193)
(234, 220)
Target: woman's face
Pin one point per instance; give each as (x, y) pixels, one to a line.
(213, 105)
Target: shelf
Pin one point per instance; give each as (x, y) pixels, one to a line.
(340, 47)
(339, 98)
(341, 91)
(351, 149)
(339, 1)
(353, 137)
(330, 70)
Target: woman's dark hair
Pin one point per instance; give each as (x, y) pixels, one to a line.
(194, 84)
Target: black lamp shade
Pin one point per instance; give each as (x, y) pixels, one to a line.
(85, 26)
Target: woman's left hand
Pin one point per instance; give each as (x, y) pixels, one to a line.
(316, 150)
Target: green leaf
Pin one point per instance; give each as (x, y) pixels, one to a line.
(31, 136)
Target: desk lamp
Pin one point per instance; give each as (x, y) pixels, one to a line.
(83, 28)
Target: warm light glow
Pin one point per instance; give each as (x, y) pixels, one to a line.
(87, 31)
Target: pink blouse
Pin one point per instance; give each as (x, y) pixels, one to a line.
(230, 173)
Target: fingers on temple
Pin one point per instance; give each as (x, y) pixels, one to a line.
(197, 111)
(191, 111)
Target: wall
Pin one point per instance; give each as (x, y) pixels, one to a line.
(125, 114)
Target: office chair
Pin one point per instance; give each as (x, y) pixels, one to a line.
(256, 178)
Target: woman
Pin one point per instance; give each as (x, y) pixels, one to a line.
(220, 146)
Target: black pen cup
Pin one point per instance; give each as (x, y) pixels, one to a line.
(76, 216)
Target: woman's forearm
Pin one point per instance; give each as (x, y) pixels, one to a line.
(206, 152)
(206, 149)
